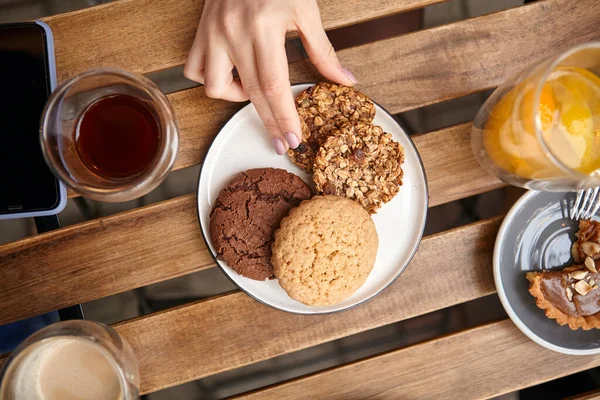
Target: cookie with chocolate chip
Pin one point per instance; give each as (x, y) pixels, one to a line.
(246, 214)
(323, 109)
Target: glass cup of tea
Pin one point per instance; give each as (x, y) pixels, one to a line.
(109, 135)
(72, 360)
(541, 128)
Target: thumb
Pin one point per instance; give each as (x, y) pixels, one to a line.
(320, 51)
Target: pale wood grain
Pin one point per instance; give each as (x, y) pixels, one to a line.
(149, 35)
(234, 330)
(479, 363)
(109, 255)
(420, 68)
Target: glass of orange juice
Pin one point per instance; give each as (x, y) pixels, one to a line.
(541, 128)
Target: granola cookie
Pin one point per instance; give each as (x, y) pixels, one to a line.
(360, 162)
(323, 109)
(246, 214)
(324, 250)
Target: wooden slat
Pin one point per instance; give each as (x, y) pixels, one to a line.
(593, 395)
(179, 345)
(421, 68)
(454, 60)
(149, 35)
(101, 257)
(454, 157)
(478, 363)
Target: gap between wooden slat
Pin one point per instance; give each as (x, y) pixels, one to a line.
(136, 248)
(478, 363)
(146, 35)
(593, 395)
(421, 68)
(233, 330)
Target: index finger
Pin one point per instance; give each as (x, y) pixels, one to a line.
(195, 62)
(274, 78)
(245, 61)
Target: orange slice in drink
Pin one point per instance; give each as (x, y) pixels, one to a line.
(577, 95)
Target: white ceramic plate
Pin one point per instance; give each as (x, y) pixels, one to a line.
(243, 144)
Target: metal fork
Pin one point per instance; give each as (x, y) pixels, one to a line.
(586, 204)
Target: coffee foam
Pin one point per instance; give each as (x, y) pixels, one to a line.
(66, 368)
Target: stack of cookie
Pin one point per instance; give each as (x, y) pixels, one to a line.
(265, 224)
(347, 155)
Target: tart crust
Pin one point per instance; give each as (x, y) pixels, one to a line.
(552, 311)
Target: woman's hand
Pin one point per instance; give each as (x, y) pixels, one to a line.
(250, 36)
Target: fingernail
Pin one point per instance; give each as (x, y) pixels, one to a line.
(279, 146)
(292, 140)
(349, 74)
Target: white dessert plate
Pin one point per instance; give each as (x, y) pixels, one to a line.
(243, 144)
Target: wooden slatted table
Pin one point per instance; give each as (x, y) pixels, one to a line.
(162, 241)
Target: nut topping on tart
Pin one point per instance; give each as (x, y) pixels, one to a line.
(571, 296)
(588, 241)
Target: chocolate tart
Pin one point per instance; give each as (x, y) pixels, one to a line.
(588, 241)
(572, 296)
(566, 299)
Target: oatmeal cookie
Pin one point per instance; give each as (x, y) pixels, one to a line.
(324, 250)
(323, 109)
(360, 162)
(246, 214)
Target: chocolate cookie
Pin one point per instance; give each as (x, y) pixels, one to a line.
(323, 109)
(246, 214)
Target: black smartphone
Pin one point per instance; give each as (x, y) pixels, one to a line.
(27, 71)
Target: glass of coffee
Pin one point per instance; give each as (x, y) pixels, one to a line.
(109, 135)
(72, 360)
